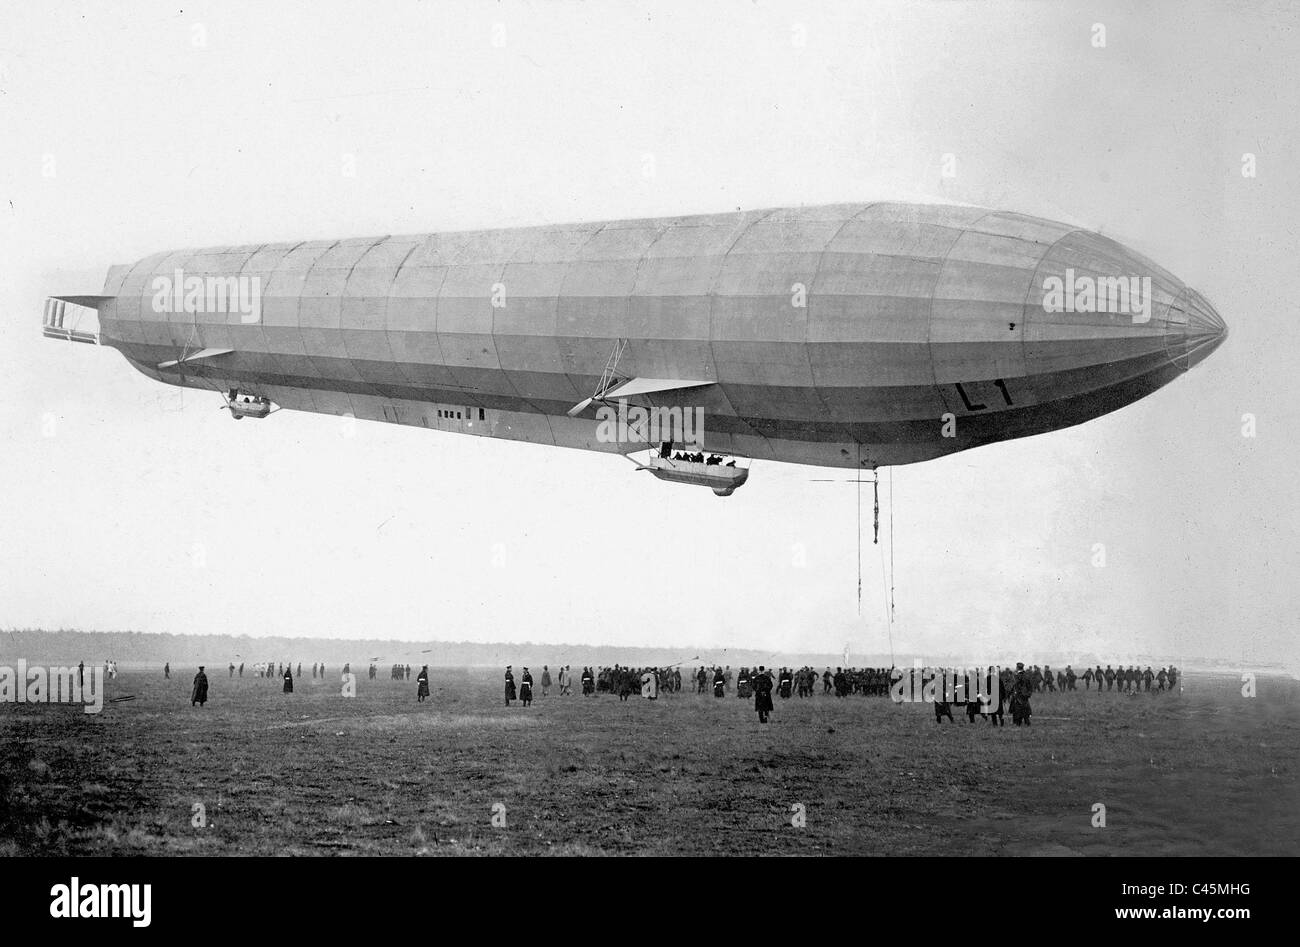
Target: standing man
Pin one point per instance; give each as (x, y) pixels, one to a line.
(200, 693)
(719, 683)
(167, 671)
(546, 679)
(562, 679)
(1021, 690)
(526, 688)
(762, 682)
(288, 679)
(422, 685)
(510, 685)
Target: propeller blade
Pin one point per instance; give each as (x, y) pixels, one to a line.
(580, 407)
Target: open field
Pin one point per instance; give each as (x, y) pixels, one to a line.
(1207, 772)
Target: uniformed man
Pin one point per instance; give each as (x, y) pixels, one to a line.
(526, 688)
(546, 679)
(200, 693)
(288, 679)
(719, 683)
(1087, 678)
(588, 683)
(422, 685)
(1022, 689)
(762, 682)
(510, 685)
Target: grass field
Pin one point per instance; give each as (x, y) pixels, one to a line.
(1207, 771)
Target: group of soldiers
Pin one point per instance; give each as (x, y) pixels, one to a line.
(789, 682)
(1127, 680)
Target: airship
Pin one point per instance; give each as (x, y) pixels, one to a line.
(849, 335)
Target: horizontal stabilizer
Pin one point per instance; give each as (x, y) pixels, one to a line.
(90, 302)
(202, 353)
(647, 386)
(633, 387)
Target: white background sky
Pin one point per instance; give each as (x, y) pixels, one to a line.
(169, 126)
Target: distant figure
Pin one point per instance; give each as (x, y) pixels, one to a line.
(1022, 688)
(588, 683)
(526, 688)
(200, 693)
(719, 683)
(422, 685)
(300, 669)
(167, 671)
(81, 675)
(563, 680)
(762, 682)
(241, 668)
(510, 685)
(546, 679)
(322, 670)
(288, 680)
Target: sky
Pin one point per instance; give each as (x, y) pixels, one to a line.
(1166, 528)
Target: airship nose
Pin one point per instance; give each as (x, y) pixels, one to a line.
(1196, 329)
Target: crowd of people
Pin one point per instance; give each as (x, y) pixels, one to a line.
(1015, 688)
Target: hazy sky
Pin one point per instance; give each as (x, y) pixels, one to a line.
(128, 128)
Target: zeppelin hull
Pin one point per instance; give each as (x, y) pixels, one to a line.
(849, 335)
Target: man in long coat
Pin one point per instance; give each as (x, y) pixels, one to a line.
(422, 685)
(1021, 690)
(200, 693)
(526, 688)
(288, 679)
(762, 682)
(510, 685)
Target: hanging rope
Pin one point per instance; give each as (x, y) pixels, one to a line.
(891, 544)
(875, 487)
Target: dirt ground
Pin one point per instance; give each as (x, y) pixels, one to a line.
(1204, 772)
